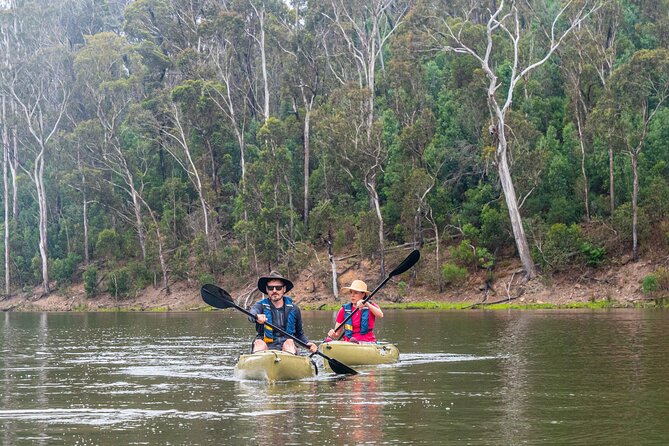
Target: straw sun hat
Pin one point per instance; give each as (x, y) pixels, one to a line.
(357, 285)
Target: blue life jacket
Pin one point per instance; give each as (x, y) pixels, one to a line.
(364, 320)
(291, 318)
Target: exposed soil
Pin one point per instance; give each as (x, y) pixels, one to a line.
(619, 282)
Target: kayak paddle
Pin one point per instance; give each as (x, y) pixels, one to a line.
(217, 297)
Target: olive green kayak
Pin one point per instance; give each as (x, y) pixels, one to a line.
(274, 365)
(350, 353)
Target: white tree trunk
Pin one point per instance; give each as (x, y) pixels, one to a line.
(612, 198)
(333, 266)
(138, 215)
(5, 182)
(512, 202)
(260, 40)
(308, 104)
(13, 168)
(191, 169)
(371, 187)
(635, 205)
(584, 174)
(159, 239)
(38, 178)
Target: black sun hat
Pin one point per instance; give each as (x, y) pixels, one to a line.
(262, 282)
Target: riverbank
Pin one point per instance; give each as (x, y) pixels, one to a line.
(617, 285)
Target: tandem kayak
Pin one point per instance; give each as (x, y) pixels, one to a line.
(351, 353)
(274, 365)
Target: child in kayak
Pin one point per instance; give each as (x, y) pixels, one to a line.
(359, 327)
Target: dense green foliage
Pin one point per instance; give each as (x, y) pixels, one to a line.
(174, 146)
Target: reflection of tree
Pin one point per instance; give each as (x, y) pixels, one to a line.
(515, 377)
(10, 338)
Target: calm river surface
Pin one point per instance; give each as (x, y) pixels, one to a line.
(465, 377)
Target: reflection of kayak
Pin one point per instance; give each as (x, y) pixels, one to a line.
(361, 354)
(274, 365)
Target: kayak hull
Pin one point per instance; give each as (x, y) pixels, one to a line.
(353, 354)
(274, 365)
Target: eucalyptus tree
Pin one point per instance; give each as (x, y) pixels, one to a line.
(39, 85)
(5, 182)
(229, 84)
(343, 133)
(506, 34)
(180, 136)
(641, 89)
(304, 76)
(7, 30)
(587, 65)
(269, 194)
(361, 31)
(109, 71)
(603, 32)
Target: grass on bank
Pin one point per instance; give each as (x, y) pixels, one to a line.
(431, 305)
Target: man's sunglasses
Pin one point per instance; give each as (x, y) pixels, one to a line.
(275, 287)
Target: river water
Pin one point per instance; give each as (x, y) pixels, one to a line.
(465, 377)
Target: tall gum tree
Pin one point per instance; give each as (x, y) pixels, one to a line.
(363, 29)
(109, 71)
(40, 89)
(507, 30)
(641, 89)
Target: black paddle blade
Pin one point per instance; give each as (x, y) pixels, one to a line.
(340, 368)
(407, 263)
(216, 297)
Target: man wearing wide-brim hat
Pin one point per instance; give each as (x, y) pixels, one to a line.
(360, 326)
(279, 310)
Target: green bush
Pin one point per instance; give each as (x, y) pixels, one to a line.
(91, 281)
(139, 274)
(471, 232)
(495, 227)
(662, 276)
(178, 263)
(622, 223)
(484, 258)
(453, 274)
(36, 267)
(108, 244)
(594, 256)
(63, 270)
(118, 283)
(402, 288)
(205, 278)
(464, 254)
(650, 284)
(562, 246)
(368, 237)
(340, 240)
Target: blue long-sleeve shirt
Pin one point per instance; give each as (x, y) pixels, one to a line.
(279, 318)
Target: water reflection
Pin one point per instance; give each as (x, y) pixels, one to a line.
(276, 412)
(514, 381)
(484, 378)
(359, 412)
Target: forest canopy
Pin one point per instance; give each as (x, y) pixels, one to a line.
(153, 141)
